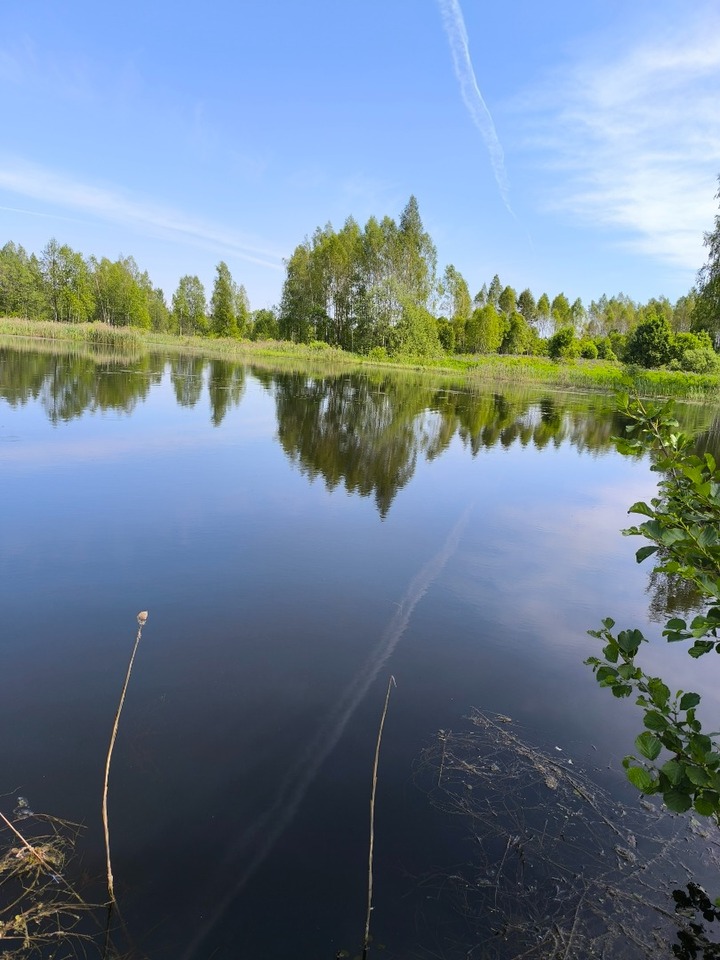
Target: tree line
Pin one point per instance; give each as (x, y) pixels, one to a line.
(374, 290)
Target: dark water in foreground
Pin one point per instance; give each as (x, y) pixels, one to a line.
(296, 540)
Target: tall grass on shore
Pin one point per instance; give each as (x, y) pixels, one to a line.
(123, 339)
(587, 375)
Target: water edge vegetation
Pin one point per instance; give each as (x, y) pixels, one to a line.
(573, 373)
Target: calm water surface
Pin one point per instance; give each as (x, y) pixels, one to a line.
(296, 540)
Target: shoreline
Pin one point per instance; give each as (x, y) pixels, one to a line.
(587, 375)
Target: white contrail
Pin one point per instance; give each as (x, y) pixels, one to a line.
(454, 24)
(260, 837)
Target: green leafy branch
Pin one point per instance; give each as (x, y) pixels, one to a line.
(682, 529)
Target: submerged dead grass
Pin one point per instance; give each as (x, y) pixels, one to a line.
(40, 912)
(558, 868)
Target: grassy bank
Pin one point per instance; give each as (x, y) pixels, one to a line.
(596, 375)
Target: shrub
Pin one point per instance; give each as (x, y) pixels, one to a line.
(561, 345)
(588, 350)
(690, 341)
(701, 360)
(649, 343)
(618, 343)
(378, 354)
(446, 334)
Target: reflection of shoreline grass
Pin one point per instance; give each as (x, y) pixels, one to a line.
(597, 375)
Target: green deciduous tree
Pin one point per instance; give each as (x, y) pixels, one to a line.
(456, 303)
(562, 344)
(527, 306)
(649, 343)
(484, 330)
(189, 307)
(299, 298)
(481, 297)
(21, 284)
(223, 304)
(578, 313)
(121, 293)
(416, 334)
(517, 335)
(242, 309)
(507, 301)
(351, 288)
(417, 257)
(264, 325)
(683, 312)
(707, 307)
(543, 315)
(494, 291)
(160, 315)
(67, 283)
(561, 311)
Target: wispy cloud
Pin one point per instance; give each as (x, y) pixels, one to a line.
(636, 138)
(114, 206)
(454, 24)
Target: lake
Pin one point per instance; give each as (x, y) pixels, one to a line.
(298, 538)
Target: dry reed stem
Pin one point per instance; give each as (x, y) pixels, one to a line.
(366, 938)
(24, 842)
(141, 619)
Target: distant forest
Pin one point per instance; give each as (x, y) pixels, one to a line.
(375, 291)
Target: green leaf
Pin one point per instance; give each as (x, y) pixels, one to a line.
(627, 671)
(693, 473)
(642, 508)
(675, 624)
(611, 652)
(644, 552)
(606, 675)
(674, 771)
(654, 720)
(629, 641)
(608, 623)
(707, 537)
(677, 801)
(689, 700)
(697, 776)
(706, 803)
(640, 778)
(658, 691)
(672, 741)
(648, 745)
(621, 690)
(701, 744)
(700, 647)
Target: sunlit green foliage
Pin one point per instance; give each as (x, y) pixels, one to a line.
(189, 307)
(682, 526)
(264, 325)
(360, 289)
(649, 344)
(707, 309)
(223, 306)
(562, 344)
(364, 290)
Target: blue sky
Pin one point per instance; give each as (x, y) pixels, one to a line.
(566, 146)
